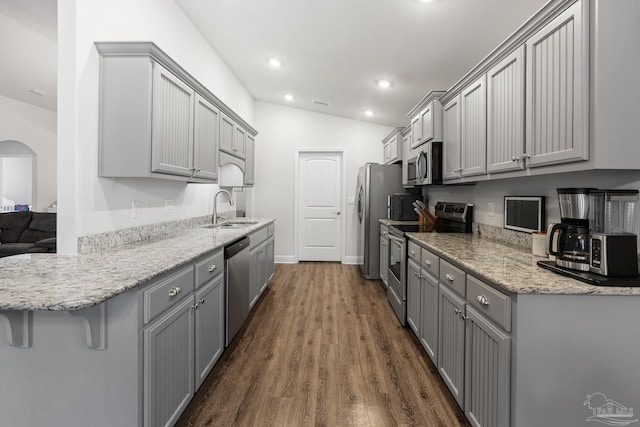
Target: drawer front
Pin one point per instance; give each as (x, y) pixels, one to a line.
(490, 302)
(430, 262)
(271, 229)
(258, 237)
(413, 252)
(167, 292)
(452, 276)
(384, 231)
(209, 268)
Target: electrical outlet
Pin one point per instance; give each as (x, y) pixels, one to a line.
(490, 209)
(135, 209)
(168, 206)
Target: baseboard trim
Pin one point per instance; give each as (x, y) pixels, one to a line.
(352, 260)
(285, 259)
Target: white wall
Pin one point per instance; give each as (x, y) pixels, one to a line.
(283, 130)
(17, 174)
(494, 191)
(88, 204)
(35, 127)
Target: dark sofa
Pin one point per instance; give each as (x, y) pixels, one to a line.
(27, 232)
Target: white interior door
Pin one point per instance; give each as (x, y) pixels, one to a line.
(319, 206)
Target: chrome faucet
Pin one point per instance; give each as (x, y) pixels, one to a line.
(214, 217)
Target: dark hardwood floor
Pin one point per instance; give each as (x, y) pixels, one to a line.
(323, 348)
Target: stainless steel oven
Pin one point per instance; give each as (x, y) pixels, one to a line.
(396, 292)
(450, 218)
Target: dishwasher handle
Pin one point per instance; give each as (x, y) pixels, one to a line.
(236, 247)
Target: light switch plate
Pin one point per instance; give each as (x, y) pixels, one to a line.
(135, 209)
(490, 209)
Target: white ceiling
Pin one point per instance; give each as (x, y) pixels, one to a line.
(332, 50)
(29, 49)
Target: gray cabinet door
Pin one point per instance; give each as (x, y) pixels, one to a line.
(249, 160)
(487, 372)
(505, 114)
(254, 281)
(239, 137)
(556, 82)
(429, 315)
(270, 258)
(172, 124)
(384, 257)
(227, 128)
(169, 366)
(205, 139)
(451, 139)
(262, 267)
(473, 136)
(209, 331)
(413, 296)
(451, 329)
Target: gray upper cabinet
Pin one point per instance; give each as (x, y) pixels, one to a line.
(392, 147)
(451, 144)
(473, 125)
(206, 139)
(556, 104)
(172, 124)
(156, 120)
(249, 160)
(505, 114)
(426, 119)
(232, 137)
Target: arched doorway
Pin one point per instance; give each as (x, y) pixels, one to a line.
(17, 176)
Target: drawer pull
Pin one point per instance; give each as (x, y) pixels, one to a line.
(212, 268)
(413, 252)
(449, 277)
(175, 291)
(201, 301)
(455, 310)
(482, 300)
(427, 262)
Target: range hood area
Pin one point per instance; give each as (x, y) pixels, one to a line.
(230, 171)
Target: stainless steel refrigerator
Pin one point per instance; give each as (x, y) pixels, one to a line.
(375, 183)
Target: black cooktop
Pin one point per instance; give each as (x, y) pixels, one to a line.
(591, 278)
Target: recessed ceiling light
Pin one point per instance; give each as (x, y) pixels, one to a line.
(368, 113)
(274, 62)
(288, 97)
(425, 1)
(383, 83)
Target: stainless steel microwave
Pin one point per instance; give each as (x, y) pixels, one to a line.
(426, 167)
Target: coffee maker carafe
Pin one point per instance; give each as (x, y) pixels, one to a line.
(573, 230)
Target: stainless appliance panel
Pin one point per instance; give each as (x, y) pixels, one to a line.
(375, 183)
(236, 274)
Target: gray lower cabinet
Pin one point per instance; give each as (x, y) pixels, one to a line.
(384, 254)
(261, 262)
(209, 343)
(169, 366)
(428, 328)
(451, 329)
(487, 372)
(413, 296)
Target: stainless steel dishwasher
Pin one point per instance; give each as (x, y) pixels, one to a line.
(236, 286)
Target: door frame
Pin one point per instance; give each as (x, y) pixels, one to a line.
(296, 198)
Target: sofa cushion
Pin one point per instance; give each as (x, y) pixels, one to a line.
(42, 226)
(8, 249)
(13, 224)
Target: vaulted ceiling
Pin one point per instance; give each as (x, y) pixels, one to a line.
(333, 51)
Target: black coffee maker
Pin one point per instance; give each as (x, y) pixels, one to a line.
(572, 239)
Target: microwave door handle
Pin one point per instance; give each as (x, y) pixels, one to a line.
(418, 168)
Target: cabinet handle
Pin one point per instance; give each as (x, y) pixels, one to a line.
(427, 262)
(235, 150)
(449, 277)
(515, 159)
(413, 252)
(455, 310)
(175, 291)
(195, 306)
(201, 301)
(212, 268)
(482, 300)
(526, 156)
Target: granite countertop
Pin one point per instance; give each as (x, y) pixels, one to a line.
(510, 268)
(72, 282)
